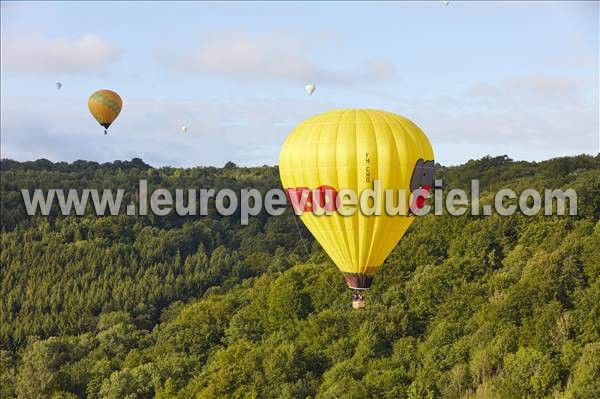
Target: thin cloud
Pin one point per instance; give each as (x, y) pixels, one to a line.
(247, 56)
(531, 113)
(278, 55)
(531, 90)
(514, 116)
(37, 55)
(381, 69)
(245, 132)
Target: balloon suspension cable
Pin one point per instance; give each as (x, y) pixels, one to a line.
(308, 254)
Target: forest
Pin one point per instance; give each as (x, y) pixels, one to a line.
(203, 307)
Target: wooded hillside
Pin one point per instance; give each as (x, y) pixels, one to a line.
(202, 307)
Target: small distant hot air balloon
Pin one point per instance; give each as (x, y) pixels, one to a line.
(310, 88)
(446, 2)
(58, 85)
(105, 106)
(184, 129)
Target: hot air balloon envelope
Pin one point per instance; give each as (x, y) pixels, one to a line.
(105, 106)
(310, 88)
(352, 149)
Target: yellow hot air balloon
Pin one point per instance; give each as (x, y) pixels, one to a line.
(105, 106)
(351, 149)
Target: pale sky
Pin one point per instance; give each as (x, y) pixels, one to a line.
(478, 77)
